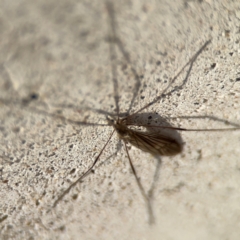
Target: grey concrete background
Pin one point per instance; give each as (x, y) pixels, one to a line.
(59, 50)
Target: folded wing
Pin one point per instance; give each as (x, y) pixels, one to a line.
(155, 143)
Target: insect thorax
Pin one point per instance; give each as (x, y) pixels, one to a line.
(120, 126)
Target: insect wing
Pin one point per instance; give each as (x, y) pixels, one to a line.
(154, 143)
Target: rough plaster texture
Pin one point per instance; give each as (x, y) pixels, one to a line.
(59, 50)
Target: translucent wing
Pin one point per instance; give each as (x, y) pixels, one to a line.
(154, 143)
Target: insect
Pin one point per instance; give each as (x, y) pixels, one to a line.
(153, 142)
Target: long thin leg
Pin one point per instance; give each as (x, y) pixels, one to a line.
(145, 196)
(122, 49)
(112, 54)
(45, 113)
(210, 118)
(84, 175)
(163, 93)
(193, 129)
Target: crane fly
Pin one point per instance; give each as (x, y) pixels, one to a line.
(154, 142)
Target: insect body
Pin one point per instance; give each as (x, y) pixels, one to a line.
(152, 142)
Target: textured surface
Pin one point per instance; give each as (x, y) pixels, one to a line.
(59, 50)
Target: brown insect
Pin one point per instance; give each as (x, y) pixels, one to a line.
(153, 142)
